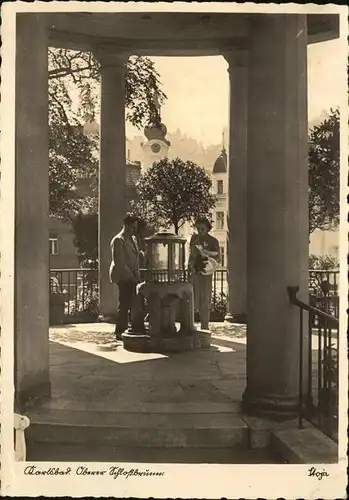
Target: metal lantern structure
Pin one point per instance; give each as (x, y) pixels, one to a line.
(165, 258)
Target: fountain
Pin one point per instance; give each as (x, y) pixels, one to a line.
(169, 294)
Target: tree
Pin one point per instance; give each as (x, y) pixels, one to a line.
(71, 156)
(79, 73)
(324, 174)
(171, 193)
(323, 262)
(85, 227)
(74, 79)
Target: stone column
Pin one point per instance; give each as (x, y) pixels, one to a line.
(237, 188)
(277, 227)
(31, 210)
(112, 170)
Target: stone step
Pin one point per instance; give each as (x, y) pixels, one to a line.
(138, 430)
(304, 446)
(83, 453)
(131, 406)
(135, 420)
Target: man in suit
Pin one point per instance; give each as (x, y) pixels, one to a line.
(124, 270)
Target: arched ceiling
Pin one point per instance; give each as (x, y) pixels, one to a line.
(167, 33)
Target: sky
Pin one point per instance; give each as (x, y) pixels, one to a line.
(198, 91)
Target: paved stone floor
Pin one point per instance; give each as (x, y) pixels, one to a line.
(86, 371)
(89, 370)
(95, 383)
(161, 408)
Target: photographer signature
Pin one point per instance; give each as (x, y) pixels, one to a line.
(313, 472)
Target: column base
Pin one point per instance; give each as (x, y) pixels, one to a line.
(236, 318)
(31, 395)
(273, 407)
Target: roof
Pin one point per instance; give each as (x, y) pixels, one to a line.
(156, 33)
(220, 165)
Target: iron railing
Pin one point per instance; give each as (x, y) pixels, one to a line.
(78, 289)
(324, 292)
(323, 283)
(219, 295)
(318, 402)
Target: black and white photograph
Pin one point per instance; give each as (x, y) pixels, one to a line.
(174, 245)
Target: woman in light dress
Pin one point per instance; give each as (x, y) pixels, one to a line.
(204, 259)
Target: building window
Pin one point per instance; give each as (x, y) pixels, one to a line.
(53, 246)
(220, 187)
(222, 255)
(220, 220)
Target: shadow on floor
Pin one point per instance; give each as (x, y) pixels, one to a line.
(193, 376)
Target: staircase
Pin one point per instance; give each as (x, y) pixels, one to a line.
(113, 405)
(221, 437)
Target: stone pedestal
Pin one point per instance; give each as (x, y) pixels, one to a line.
(237, 188)
(112, 174)
(163, 336)
(277, 228)
(57, 306)
(31, 210)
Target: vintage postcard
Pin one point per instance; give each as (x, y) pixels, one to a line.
(174, 245)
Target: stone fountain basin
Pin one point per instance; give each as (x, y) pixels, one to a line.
(177, 342)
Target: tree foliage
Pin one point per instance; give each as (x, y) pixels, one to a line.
(323, 262)
(74, 82)
(62, 200)
(324, 178)
(85, 227)
(171, 193)
(71, 156)
(79, 72)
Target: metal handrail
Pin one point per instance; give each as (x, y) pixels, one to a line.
(327, 323)
(292, 293)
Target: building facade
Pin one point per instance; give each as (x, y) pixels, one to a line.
(156, 147)
(320, 242)
(324, 242)
(220, 190)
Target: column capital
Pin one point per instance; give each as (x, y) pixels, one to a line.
(236, 58)
(108, 58)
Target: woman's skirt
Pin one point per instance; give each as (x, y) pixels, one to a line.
(202, 285)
